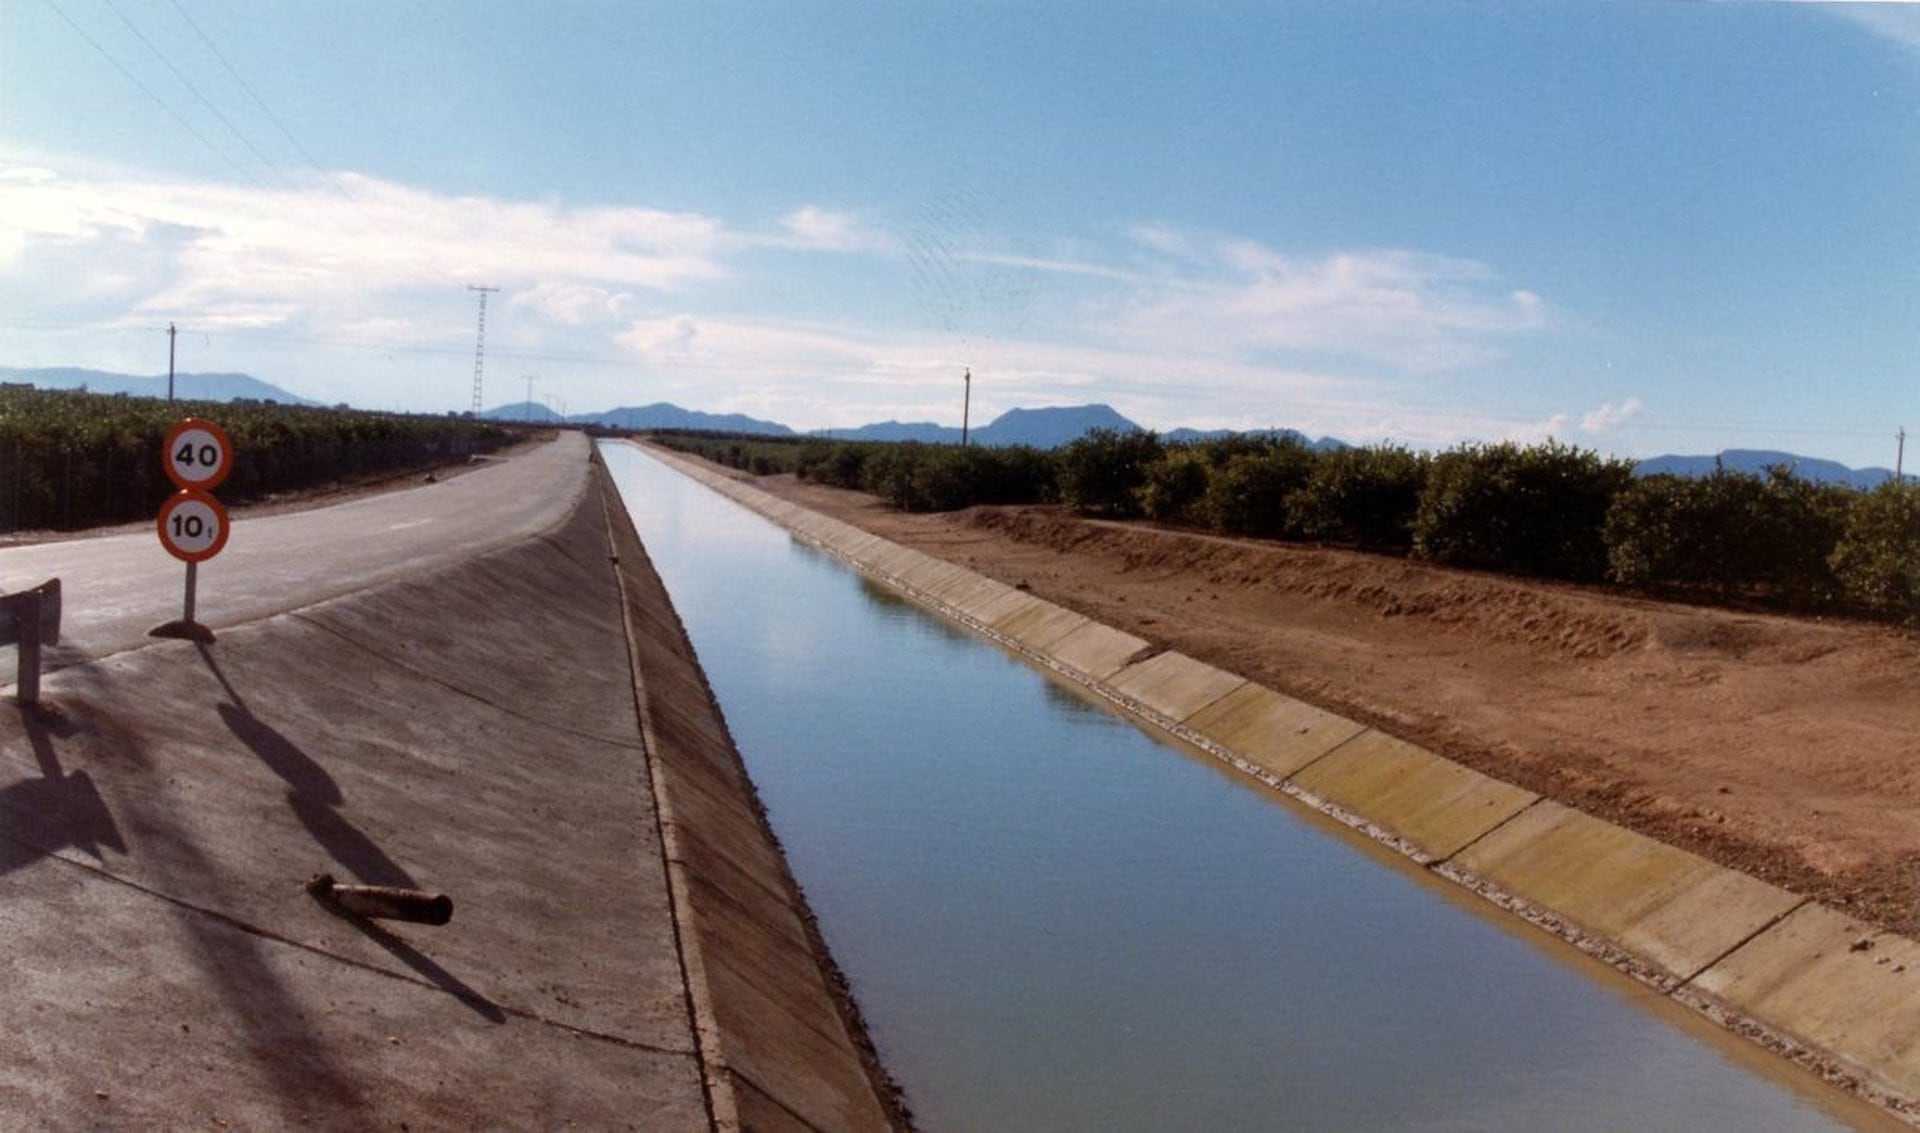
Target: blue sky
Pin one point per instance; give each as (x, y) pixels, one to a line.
(1639, 228)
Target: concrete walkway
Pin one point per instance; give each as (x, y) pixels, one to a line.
(471, 731)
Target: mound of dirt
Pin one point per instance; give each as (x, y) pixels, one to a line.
(1785, 747)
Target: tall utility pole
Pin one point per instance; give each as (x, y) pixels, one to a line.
(170, 336)
(479, 342)
(1899, 454)
(530, 397)
(966, 407)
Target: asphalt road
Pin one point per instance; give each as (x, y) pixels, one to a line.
(118, 587)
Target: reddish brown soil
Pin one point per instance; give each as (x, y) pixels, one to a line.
(1788, 748)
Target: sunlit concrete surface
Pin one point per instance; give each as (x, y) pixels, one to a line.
(120, 586)
(1175, 685)
(1434, 804)
(1675, 910)
(1277, 734)
(1826, 981)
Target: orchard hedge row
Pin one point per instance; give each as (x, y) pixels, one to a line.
(70, 460)
(1549, 511)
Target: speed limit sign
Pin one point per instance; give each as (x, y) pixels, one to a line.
(193, 526)
(197, 454)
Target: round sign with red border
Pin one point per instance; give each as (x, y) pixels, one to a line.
(197, 455)
(192, 526)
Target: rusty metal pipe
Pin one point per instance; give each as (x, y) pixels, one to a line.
(383, 902)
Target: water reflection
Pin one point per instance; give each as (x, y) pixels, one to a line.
(1053, 923)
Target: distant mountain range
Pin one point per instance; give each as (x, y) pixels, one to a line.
(659, 415)
(1048, 427)
(1757, 461)
(192, 387)
(1042, 428)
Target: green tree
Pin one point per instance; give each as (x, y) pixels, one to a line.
(1535, 511)
(1364, 497)
(1102, 472)
(1877, 558)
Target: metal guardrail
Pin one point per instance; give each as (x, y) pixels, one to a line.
(30, 619)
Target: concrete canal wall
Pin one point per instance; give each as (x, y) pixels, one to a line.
(1837, 996)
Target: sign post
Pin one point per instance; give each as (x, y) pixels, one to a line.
(193, 527)
(30, 619)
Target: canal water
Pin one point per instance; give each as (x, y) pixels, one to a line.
(1053, 920)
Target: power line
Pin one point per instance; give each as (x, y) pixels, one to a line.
(239, 80)
(373, 225)
(204, 101)
(148, 91)
(313, 163)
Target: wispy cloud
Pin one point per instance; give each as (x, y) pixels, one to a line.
(1412, 312)
(224, 248)
(1895, 20)
(1592, 427)
(1610, 416)
(818, 229)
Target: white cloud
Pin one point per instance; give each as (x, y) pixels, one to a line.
(1059, 267)
(1610, 416)
(349, 237)
(1409, 311)
(813, 228)
(1894, 20)
(1165, 240)
(573, 304)
(1590, 428)
(28, 175)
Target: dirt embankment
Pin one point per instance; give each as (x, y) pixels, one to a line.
(1788, 748)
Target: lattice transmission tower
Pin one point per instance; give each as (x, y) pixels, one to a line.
(479, 342)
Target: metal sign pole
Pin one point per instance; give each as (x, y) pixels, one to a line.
(28, 678)
(193, 584)
(30, 619)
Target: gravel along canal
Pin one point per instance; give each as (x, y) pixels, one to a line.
(1054, 920)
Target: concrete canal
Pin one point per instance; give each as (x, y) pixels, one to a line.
(1054, 920)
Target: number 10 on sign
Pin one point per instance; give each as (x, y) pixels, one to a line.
(193, 526)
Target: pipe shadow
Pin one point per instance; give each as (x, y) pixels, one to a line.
(57, 811)
(314, 796)
(420, 962)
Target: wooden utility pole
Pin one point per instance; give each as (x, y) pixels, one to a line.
(1899, 455)
(966, 407)
(170, 337)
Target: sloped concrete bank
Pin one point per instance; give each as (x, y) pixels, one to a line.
(494, 730)
(781, 1040)
(1838, 997)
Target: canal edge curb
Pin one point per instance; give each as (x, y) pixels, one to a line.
(1827, 993)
